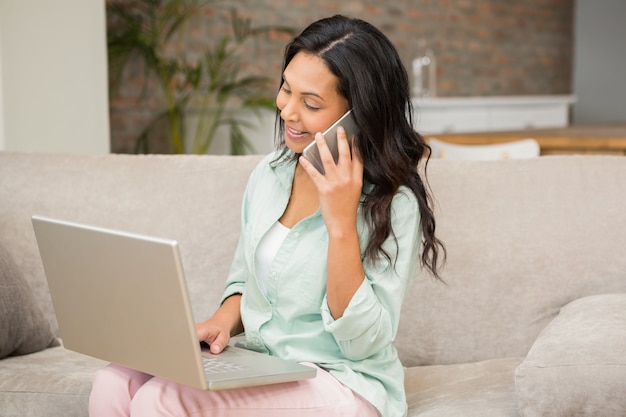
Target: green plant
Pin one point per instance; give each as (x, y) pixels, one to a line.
(212, 86)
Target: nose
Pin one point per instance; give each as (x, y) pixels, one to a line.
(287, 109)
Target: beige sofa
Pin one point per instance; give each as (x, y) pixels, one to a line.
(531, 320)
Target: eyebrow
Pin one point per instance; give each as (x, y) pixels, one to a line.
(305, 93)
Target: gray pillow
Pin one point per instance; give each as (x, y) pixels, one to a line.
(23, 327)
(577, 365)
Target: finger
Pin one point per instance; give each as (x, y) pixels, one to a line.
(326, 156)
(213, 336)
(343, 146)
(215, 348)
(218, 344)
(310, 169)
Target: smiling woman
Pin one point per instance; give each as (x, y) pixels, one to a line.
(324, 258)
(308, 100)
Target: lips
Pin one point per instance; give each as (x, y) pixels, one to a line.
(296, 134)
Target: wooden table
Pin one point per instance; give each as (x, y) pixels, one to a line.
(584, 139)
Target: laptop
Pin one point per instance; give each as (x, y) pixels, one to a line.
(122, 297)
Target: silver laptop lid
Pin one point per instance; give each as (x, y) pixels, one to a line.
(92, 270)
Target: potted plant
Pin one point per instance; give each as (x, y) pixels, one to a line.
(211, 87)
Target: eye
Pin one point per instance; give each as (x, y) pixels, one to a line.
(308, 106)
(285, 89)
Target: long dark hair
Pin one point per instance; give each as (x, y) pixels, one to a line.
(375, 82)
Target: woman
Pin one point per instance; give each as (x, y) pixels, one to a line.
(323, 261)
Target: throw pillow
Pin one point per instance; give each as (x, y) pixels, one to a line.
(577, 365)
(23, 327)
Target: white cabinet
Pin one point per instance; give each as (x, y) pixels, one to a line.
(483, 114)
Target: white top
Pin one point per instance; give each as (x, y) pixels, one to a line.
(267, 250)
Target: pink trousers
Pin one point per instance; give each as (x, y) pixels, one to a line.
(119, 391)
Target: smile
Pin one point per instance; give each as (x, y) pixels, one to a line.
(296, 133)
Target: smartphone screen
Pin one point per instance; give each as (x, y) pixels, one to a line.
(311, 152)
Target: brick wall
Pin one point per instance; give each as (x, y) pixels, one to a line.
(483, 47)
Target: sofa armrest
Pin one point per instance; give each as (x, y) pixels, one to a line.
(577, 365)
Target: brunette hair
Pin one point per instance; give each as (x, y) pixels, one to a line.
(375, 82)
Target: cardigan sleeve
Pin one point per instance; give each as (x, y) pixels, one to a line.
(371, 319)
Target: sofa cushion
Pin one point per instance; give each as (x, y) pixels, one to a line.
(524, 237)
(577, 364)
(53, 383)
(23, 327)
(484, 389)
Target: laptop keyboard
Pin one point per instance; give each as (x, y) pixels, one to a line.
(213, 365)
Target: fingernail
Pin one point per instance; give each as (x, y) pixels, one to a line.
(216, 348)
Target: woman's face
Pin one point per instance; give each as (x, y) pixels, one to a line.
(309, 101)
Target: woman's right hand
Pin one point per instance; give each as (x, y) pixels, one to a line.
(226, 322)
(213, 335)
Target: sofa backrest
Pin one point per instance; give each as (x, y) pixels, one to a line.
(524, 237)
(194, 200)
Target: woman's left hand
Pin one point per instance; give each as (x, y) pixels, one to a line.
(340, 187)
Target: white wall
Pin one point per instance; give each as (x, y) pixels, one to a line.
(53, 76)
(600, 61)
(2, 146)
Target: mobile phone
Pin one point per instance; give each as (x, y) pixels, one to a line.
(312, 153)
